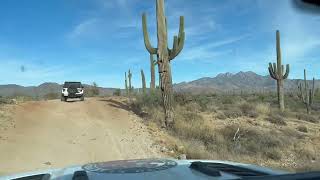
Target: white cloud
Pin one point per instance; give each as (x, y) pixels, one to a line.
(207, 52)
(88, 26)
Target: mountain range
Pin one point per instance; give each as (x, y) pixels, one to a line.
(241, 81)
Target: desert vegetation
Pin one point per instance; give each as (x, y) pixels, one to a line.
(239, 128)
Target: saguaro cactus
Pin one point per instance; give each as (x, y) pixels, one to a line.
(164, 56)
(276, 72)
(306, 94)
(153, 63)
(126, 84)
(130, 87)
(143, 79)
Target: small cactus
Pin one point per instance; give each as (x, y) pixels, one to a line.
(306, 94)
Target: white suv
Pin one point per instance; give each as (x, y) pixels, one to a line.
(72, 90)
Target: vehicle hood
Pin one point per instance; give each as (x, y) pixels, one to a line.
(141, 169)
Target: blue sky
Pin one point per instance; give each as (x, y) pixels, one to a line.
(98, 40)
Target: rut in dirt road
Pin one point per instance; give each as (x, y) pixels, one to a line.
(50, 134)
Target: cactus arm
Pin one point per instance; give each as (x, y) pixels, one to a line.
(147, 43)
(174, 48)
(285, 76)
(181, 37)
(273, 71)
(178, 42)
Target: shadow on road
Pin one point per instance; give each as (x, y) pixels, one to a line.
(117, 104)
(124, 106)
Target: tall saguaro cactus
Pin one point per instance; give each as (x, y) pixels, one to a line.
(126, 84)
(306, 94)
(164, 56)
(153, 63)
(143, 79)
(276, 72)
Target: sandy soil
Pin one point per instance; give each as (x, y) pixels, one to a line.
(51, 134)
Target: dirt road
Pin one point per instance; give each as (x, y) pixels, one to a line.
(50, 134)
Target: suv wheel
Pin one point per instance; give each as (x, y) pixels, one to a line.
(82, 98)
(63, 98)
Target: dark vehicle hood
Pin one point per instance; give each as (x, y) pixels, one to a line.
(141, 169)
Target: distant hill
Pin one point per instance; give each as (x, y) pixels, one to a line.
(41, 90)
(245, 81)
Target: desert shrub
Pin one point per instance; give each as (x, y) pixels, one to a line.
(220, 115)
(117, 92)
(92, 90)
(182, 98)
(263, 108)
(203, 101)
(251, 141)
(227, 99)
(276, 119)
(249, 110)
(307, 117)
(22, 98)
(153, 99)
(233, 113)
(306, 160)
(273, 154)
(292, 133)
(95, 89)
(195, 149)
(192, 106)
(4, 100)
(302, 128)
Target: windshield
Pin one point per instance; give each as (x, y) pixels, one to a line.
(72, 84)
(233, 82)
